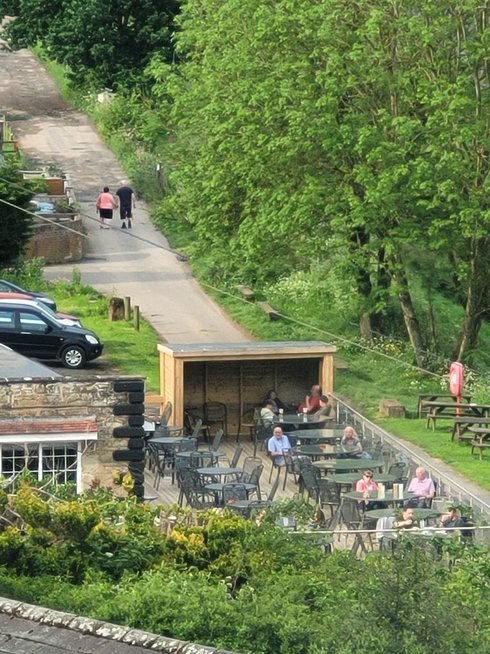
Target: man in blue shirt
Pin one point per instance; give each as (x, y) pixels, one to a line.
(277, 446)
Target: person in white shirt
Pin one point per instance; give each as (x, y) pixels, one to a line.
(278, 446)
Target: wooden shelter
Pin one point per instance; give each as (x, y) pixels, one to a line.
(240, 374)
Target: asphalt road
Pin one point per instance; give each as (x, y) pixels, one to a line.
(119, 262)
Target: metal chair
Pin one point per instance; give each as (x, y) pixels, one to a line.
(254, 478)
(236, 457)
(214, 447)
(247, 508)
(216, 413)
(195, 426)
(166, 413)
(329, 495)
(248, 419)
(234, 491)
(399, 471)
(249, 464)
(310, 476)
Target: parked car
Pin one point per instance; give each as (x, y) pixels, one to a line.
(23, 298)
(33, 331)
(10, 287)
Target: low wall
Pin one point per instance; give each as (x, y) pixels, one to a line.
(56, 244)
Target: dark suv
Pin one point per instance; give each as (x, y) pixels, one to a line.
(35, 333)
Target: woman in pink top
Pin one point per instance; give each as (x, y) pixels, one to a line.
(365, 486)
(105, 205)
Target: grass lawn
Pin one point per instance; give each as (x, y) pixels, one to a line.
(132, 352)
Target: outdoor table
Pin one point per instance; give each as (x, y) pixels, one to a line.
(218, 471)
(419, 514)
(349, 478)
(437, 397)
(448, 410)
(373, 497)
(317, 451)
(217, 489)
(150, 427)
(298, 421)
(349, 465)
(167, 440)
(216, 454)
(318, 435)
(481, 439)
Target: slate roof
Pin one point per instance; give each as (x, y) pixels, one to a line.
(14, 366)
(36, 630)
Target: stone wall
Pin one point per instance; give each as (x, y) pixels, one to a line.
(102, 397)
(56, 244)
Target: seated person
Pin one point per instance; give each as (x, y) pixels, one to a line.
(423, 488)
(450, 518)
(350, 445)
(407, 519)
(367, 485)
(453, 519)
(277, 446)
(325, 409)
(272, 397)
(387, 539)
(312, 400)
(267, 415)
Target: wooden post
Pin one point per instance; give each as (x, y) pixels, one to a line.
(136, 317)
(127, 307)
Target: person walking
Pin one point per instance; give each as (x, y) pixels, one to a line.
(127, 202)
(105, 205)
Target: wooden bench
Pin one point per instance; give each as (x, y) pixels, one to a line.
(433, 397)
(447, 413)
(267, 309)
(463, 423)
(246, 292)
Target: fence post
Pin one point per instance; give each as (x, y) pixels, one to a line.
(127, 307)
(136, 317)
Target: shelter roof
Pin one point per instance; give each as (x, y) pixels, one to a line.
(250, 350)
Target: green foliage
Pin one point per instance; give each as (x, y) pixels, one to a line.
(103, 45)
(16, 224)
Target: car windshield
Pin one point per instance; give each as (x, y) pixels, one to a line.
(45, 309)
(47, 313)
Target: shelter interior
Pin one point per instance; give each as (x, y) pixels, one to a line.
(240, 374)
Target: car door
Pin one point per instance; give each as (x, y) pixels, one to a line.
(37, 336)
(8, 328)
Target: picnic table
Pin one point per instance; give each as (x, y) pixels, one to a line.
(481, 439)
(462, 424)
(437, 397)
(446, 410)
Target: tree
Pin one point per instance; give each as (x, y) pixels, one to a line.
(103, 43)
(15, 195)
(351, 128)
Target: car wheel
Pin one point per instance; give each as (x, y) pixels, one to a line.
(73, 357)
